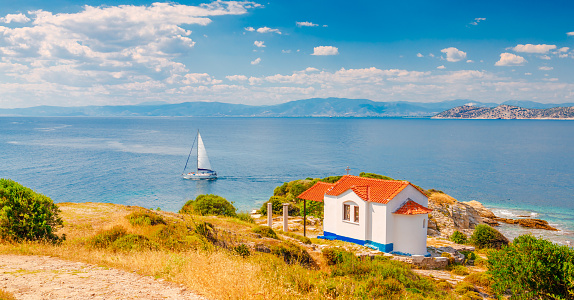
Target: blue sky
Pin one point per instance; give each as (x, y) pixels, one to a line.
(72, 53)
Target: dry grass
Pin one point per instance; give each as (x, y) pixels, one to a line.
(4, 295)
(441, 198)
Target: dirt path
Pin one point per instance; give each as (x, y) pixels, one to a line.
(42, 277)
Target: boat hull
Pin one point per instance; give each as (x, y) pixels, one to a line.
(200, 176)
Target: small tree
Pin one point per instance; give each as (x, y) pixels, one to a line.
(533, 268)
(485, 236)
(27, 215)
(458, 237)
(209, 205)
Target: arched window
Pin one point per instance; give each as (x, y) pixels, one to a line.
(424, 223)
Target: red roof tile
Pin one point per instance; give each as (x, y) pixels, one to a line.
(316, 192)
(368, 189)
(412, 208)
(380, 191)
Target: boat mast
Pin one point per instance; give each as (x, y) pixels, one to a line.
(197, 157)
(188, 156)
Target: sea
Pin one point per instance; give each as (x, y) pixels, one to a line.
(514, 167)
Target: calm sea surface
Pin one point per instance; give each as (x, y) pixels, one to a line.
(516, 167)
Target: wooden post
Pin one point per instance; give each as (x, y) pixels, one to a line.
(270, 214)
(304, 217)
(285, 216)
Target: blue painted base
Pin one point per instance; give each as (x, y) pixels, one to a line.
(374, 245)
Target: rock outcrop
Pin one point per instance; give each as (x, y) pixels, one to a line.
(530, 223)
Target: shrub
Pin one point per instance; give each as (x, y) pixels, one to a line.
(375, 176)
(331, 179)
(265, 231)
(292, 253)
(471, 295)
(176, 237)
(5, 295)
(142, 217)
(107, 237)
(209, 205)
(459, 270)
(133, 242)
(458, 237)
(534, 268)
(242, 250)
(277, 205)
(485, 236)
(463, 287)
(480, 262)
(480, 279)
(245, 217)
(334, 255)
(384, 288)
(27, 215)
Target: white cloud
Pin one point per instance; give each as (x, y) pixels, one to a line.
(256, 61)
(285, 51)
(419, 55)
(570, 33)
(470, 61)
(249, 29)
(528, 74)
(545, 57)
(259, 44)
(453, 54)
(306, 24)
(563, 49)
(16, 18)
(530, 48)
(268, 30)
(545, 68)
(325, 50)
(441, 67)
(509, 59)
(477, 20)
(236, 77)
(310, 69)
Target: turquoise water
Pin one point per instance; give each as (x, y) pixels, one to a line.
(516, 166)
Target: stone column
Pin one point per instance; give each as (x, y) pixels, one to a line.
(270, 214)
(285, 216)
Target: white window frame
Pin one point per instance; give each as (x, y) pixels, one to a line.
(351, 213)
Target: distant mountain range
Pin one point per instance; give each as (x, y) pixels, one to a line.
(506, 112)
(316, 107)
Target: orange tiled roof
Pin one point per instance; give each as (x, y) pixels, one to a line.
(316, 192)
(412, 208)
(380, 191)
(368, 189)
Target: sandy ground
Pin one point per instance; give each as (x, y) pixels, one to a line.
(42, 277)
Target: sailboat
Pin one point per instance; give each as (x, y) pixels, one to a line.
(204, 170)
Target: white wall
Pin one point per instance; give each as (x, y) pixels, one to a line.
(333, 220)
(410, 236)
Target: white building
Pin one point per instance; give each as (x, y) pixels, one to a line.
(387, 215)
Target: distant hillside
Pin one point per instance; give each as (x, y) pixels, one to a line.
(506, 112)
(316, 107)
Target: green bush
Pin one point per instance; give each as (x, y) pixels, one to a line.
(485, 236)
(242, 250)
(133, 242)
(245, 217)
(375, 176)
(27, 215)
(384, 288)
(265, 231)
(107, 237)
(277, 205)
(459, 270)
(458, 237)
(480, 279)
(292, 253)
(142, 218)
(463, 287)
(209, 205)
(176, 237)
(533, 268)
(335, 256)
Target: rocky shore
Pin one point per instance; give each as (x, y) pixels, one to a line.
(449, 215)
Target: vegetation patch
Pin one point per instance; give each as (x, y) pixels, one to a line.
(533, 268)
(26, 215)
(209, 205)
(265, 231)
(458, 237)
(133, 242)
(245, 217)
(145, 218)
(107, 237)
(485, 236)
(300, 238)
(292, 253)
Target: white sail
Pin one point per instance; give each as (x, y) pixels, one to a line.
(202, 159)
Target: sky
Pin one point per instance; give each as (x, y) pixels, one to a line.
(78, 53)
